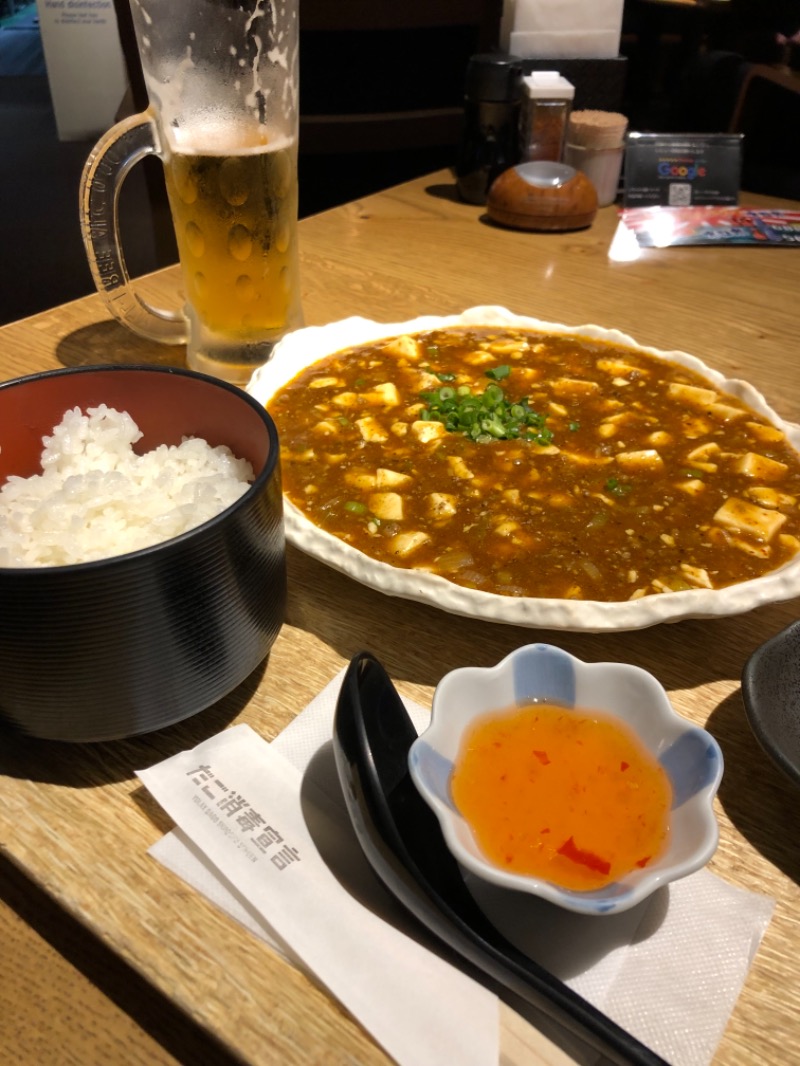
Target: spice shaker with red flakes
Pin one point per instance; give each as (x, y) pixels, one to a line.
(546, 104)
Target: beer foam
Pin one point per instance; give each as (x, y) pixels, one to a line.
(221, 134)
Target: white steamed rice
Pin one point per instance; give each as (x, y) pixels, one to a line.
(96, 498)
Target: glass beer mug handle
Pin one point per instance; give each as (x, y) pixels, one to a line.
(115, 153)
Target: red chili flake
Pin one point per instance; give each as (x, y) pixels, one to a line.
(570, 850)
(643, 862)
(543, 831)
(543, 757)
(624, 766)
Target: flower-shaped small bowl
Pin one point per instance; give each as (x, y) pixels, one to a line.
(540, 673)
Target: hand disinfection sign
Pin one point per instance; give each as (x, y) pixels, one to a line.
(85, 65)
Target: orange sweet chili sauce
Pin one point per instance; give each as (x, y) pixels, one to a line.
(568, 795)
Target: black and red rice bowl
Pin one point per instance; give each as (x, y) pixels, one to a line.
(115, 647)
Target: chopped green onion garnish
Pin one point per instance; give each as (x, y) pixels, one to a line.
(355, 507)
(618, 488)
(484, 416)
(498, 373)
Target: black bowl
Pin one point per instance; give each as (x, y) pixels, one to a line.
(771, 694)
(116, 647)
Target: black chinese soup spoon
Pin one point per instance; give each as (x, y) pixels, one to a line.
(403, 843)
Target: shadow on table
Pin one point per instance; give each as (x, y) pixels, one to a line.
(109, 342)
(446, 192)
(174, 1031)
(421, 648)
(757, 797)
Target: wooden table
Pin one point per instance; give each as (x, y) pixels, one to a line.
(74, 823)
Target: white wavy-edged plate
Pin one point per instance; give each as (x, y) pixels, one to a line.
(300, 349)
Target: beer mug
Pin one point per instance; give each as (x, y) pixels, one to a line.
(222, 85)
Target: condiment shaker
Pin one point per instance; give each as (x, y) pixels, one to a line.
(546, 104)
(595, 146)
(491, 119)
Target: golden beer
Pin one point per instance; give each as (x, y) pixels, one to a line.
(235, 218)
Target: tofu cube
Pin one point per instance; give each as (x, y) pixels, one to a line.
(387, 506)
(739, 516)
(458, 468)
(646, 459)
(765, 496)
(371, 429)
(760, 467)
(441, 504)
(691, 395)
(325, 382)
(391, 479)
(768, 434)
(404, 544)
(405, 348)
(427, 431)
(360, 479)
(385, 395)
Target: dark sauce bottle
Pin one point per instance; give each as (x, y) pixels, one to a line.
(490, 143)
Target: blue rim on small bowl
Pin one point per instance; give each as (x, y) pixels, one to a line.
(690, 756)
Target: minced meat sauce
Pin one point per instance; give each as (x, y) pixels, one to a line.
(536, 465)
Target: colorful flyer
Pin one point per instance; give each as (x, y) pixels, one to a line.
(662, 227)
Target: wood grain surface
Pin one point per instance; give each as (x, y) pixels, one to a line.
(75, 824)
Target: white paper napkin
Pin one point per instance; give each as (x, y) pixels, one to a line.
(668, 971)
(564, 44)
(548, 29)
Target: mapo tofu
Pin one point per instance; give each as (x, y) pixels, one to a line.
(535, 465)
